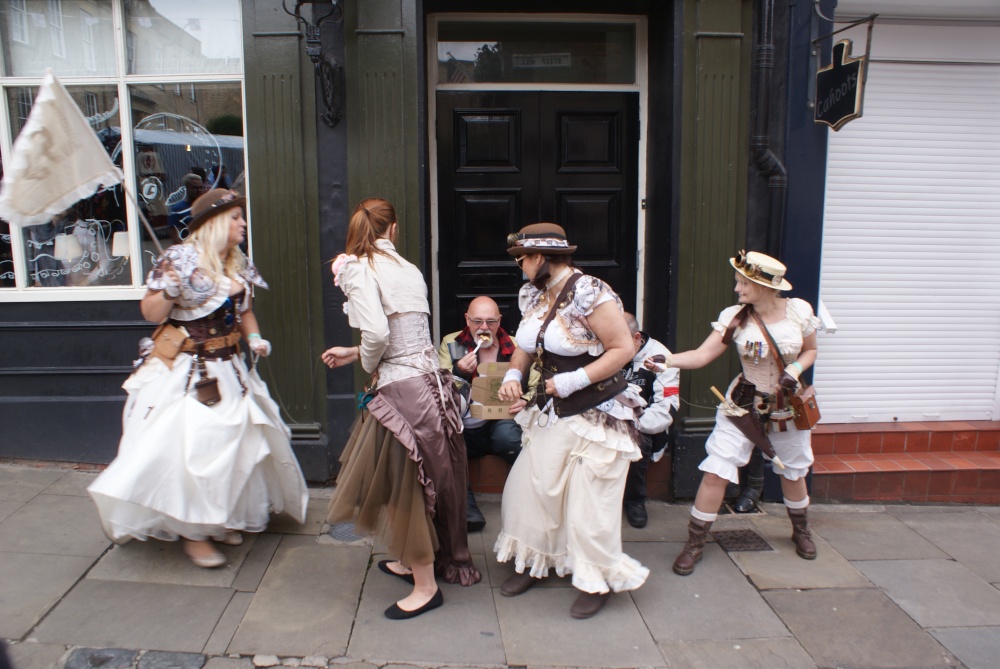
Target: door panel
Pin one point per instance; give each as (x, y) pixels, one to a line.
(506, 159)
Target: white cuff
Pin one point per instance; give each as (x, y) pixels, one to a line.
(568, 383)
(512, 375)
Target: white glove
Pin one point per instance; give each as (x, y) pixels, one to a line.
(568, 383)
(260, 346)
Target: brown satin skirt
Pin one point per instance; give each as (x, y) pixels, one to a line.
(404, 477)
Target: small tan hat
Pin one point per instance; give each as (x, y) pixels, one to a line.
(762, 269)
(211, 203)
(546, 238)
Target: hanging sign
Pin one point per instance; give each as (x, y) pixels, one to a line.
(840, 87)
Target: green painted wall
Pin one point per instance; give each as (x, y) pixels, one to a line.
(714, 152)
(281, 152)
(382, 111)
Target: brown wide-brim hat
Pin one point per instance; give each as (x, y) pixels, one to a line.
(211, 203)
(762, 269)
(547, 238)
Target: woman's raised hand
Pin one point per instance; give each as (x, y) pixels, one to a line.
(339, 356)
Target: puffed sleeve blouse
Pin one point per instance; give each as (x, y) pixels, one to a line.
(200, 292)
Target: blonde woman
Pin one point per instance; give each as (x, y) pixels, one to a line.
(792, 326)
(200, 460)
(404, 466)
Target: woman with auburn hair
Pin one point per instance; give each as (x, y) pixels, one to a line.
(761, 317)
(404, 467)
(204, 454)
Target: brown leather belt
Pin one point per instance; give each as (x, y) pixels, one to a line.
(210, 346)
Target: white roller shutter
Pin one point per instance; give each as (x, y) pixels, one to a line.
(911, 249)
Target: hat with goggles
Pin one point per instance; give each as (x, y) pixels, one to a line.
(211, 203)
(545, 238)
(762, 269)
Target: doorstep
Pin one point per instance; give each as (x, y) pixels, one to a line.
(944, 462)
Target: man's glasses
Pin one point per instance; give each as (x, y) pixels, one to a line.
(520, 261)
(480, 322)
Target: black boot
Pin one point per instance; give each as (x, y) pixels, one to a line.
(751, 494)
(474, 518)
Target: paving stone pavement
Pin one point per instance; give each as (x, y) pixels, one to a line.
(894, 586)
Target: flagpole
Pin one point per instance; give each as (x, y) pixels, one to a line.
(142, 217)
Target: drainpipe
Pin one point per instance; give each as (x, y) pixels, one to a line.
(768, 163)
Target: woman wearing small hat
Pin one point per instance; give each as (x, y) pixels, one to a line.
(561, 505)
(792, 325)
(200, 469)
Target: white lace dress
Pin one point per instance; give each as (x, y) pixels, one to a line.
(184, 469)
(562, 503)
(727, 448)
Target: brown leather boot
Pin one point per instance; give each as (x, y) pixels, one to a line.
(801, 536)
(691, 553)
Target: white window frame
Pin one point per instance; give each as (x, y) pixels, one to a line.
(56, 31)
(91, 102)
(19, 21)
(125, 54)
(87, 40)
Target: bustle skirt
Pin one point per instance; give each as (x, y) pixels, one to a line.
(404, 476)
(184, 469)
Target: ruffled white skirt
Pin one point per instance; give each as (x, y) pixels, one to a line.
(188, 470)
(562, 503)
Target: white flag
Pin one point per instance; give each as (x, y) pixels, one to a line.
(57, 160)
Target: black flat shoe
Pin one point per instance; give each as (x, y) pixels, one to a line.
(396, 613)
(383, 567)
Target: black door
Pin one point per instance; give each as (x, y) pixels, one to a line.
(507, 159)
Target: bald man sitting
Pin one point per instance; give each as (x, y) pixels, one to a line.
(482, 437)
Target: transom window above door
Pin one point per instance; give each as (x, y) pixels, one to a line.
(529, 51)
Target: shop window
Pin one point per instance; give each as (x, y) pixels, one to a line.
(156, 130)
(41, 36)
(76, 247)
(177, 136)
(7, 277)
(202, 42)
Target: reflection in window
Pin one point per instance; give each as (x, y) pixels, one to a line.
(56, 29)
(77, 247)
(130, 52)
(18, 21)
(87, 23)
(35, 37)
(176, 137)
(542, 52)
(202, 37)
(6, 254)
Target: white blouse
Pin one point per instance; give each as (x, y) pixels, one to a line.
(759, 367)
(393, 286)
(200, 293)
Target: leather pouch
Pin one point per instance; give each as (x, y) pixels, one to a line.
(168, 340)
(207, 390)
(806, 408)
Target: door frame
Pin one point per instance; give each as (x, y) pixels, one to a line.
(433, 86)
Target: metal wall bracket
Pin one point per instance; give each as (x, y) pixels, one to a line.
(328, 70)
(816, 44)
